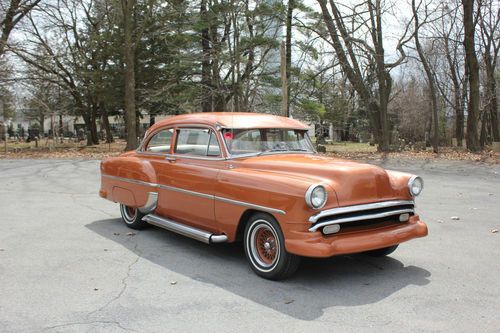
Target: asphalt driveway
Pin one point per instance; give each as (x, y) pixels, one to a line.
(67, 264)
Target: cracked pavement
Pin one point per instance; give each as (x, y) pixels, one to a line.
(67, 264)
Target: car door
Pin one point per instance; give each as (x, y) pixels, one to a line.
(186, 192)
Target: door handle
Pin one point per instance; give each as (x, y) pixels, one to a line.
(170, 158)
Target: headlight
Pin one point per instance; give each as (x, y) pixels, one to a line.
(316, 196)
(415, 185)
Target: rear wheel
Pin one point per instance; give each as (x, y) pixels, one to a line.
(383, 251)
(132, 217)
(265, 248)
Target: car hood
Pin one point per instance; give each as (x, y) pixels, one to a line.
(353, 182)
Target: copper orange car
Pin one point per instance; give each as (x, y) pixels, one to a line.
(225, 177)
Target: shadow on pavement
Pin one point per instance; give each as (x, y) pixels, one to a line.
(319, 283)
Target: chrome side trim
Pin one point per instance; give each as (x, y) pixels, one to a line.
(193, 157)
(359, 208)
(361, 218)
(151, 203)
(199, 194)
(249, 205)
(132, 181)
(185, 230)
(181, 190)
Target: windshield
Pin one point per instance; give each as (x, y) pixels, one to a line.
(263, 140)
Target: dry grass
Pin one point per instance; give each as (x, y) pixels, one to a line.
(348, 150)
(57, 150)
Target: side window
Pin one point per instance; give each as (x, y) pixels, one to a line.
(160, 142)
(196, 142)
(213, 145)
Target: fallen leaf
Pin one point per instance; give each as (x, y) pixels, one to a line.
(130, 233)
(105, 249)
(289, 301)
(173, 282)
(455, 218)
(95, 289)
(494, 231)
(116, 233)
(440, 221)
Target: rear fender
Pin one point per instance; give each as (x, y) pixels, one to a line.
(129, 180)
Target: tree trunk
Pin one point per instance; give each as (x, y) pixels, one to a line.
(93, 126)
(491, 90)
(429, 73)
(129, 52)
(483, 135)
(105, 123)
(288, 48)
(42, 124)
(473, 71)
(206, 79)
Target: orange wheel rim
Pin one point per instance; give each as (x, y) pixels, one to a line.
(265, 243)
(130, 211)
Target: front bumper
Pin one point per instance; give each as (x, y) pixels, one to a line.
(315, 244)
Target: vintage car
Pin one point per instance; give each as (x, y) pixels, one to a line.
(225, 177)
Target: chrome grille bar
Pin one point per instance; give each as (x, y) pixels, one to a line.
(361, 218)
(359, 208)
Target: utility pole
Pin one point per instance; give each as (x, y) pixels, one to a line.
(284, 82)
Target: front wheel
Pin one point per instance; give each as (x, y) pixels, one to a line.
(265, 249)
(132, 217)
(382, 252)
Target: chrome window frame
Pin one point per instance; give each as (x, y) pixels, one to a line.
(225, 154)
(217, 130)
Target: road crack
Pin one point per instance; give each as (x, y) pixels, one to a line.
(113, 322)
(124, 283)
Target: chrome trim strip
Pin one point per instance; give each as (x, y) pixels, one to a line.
(181, 190)
(198, 194)
(133, 181)
(249, 205)
(185, 230)
(358, 208)
(192, 157)
(151, 203)
(361, 218)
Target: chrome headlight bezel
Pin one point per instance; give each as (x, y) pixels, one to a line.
(309, 196)
(412, 181)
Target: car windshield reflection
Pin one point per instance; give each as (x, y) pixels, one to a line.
(258, 141)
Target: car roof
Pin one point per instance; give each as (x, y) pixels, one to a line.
(232, 120)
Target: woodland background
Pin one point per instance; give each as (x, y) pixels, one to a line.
(427, 70)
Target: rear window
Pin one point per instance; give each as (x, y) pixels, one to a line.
(160, 142)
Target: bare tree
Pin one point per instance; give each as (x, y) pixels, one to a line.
(472, 68)
(374, 95)
(429, 71)
(11, 12)
(489, 23)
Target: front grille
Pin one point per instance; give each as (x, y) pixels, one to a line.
(362, 214)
